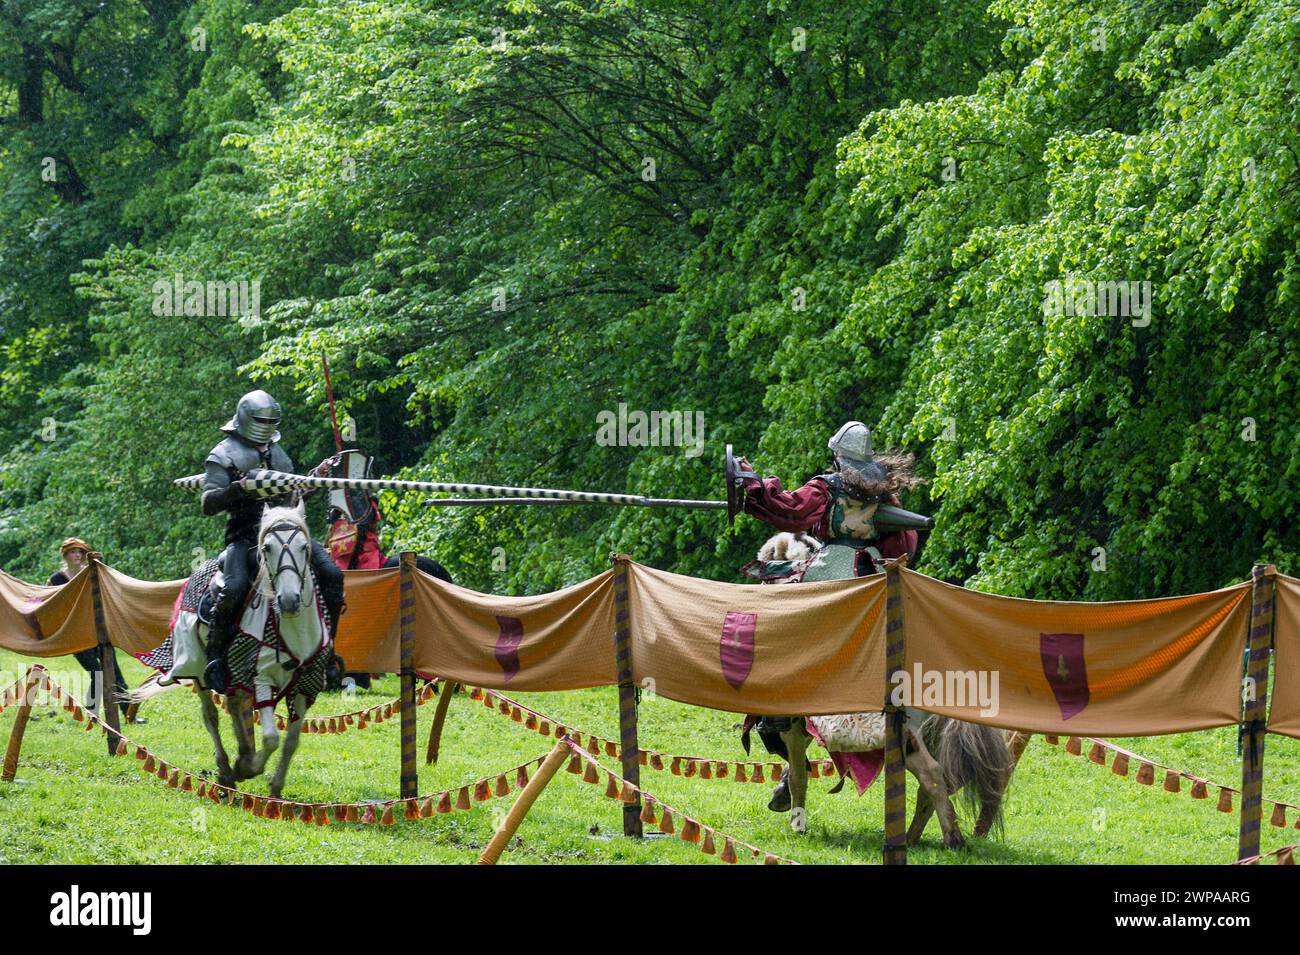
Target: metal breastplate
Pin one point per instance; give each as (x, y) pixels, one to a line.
(238, 458)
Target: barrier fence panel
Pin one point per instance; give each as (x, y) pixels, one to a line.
(1284, 703)
(811, 649)
(546, 642)
(1121, 668)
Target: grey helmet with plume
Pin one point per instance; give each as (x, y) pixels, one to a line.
(257, 416)
(851, 446)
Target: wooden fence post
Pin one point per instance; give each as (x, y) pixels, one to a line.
(439, 718)
(1258, 647)
(895, 721)
(410, 782)
(30, 679)
(627, 737)
(527, 796)
(107, 661)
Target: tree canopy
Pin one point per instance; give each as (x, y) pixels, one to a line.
(1050, 246)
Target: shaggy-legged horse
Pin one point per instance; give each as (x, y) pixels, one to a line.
(946, 756)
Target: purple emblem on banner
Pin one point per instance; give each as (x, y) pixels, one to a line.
(738, 646)
(1066, 674)
(507, 650)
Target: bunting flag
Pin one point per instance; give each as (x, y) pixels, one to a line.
(1146, 774)
(1281, 856)
(493, 785)
(699, 767)
(670, 821)
(340, 722)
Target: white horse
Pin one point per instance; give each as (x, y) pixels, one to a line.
(279, 651)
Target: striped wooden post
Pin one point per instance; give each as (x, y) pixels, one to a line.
(895, 721)
(107, 661)
(30, 679)
(626, 695)
(1258, 649)
(410, 773)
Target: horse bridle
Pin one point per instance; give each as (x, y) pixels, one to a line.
(299, 572)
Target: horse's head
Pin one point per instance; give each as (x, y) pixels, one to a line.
(284, 552)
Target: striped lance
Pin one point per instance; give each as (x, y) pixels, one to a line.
(269, 483)
(887, 518)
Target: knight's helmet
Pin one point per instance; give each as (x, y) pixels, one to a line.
(257, 416)
(851, 446)
(354, 505)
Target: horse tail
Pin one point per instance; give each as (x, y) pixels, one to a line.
(146, 690)
(975, 760)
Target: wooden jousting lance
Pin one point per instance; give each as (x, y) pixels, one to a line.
(265, 483)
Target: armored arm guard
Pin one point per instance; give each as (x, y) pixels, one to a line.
(219, 492)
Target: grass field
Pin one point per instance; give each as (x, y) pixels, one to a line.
(79, 806)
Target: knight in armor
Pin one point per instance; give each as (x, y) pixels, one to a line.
(836, 508)
(251, 443)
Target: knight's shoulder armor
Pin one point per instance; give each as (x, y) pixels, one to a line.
(235, 455)
(834, 482)
(280, 460)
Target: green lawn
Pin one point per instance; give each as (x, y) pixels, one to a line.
(79, 806)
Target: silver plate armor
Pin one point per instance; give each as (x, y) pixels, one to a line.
(242, 457)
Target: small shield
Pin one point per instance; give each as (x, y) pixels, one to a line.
(507, 649)
(1064, 668)
(738, 646)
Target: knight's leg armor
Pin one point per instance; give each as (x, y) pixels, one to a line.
(230, 602)
(330, 580)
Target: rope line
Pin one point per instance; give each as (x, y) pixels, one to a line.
(702, 767)
(1173, 777)
(692, 830)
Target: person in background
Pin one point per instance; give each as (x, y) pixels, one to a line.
(75, 557)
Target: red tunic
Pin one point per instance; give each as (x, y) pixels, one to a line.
(808, 510)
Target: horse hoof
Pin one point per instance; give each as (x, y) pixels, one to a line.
(274, 792)
(780, 801)
(799, 822)
(954, 840)
(226, 779)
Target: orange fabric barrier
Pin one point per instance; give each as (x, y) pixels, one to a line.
(805, 649)
(1128, 668)
(369, 636)
(136, 612)
(40, 621)
(558, 641)
(1101, 669)
(1284, 707)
